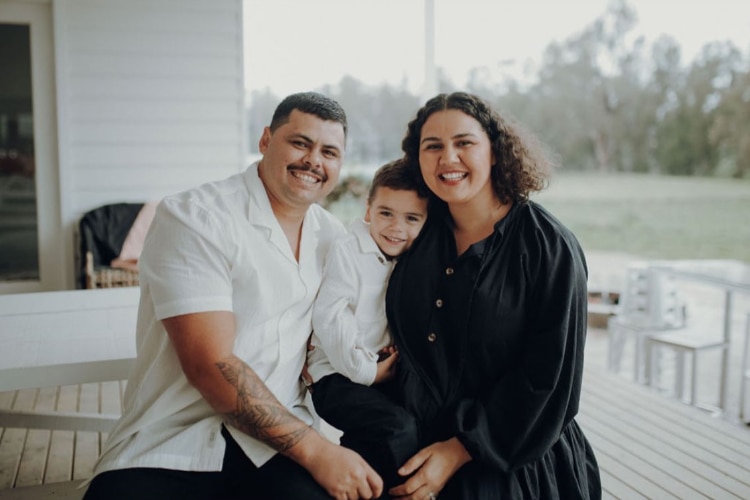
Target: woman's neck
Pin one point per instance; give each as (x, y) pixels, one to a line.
(475, 222)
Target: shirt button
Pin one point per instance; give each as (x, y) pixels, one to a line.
(449, 271)
(439, 302)
(381, 259)
(432, 337)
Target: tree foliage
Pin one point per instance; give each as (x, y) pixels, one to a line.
(602, 100)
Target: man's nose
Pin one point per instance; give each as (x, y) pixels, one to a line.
(313, 158)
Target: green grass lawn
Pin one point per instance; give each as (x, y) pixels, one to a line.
(654, 216)
(646, 216)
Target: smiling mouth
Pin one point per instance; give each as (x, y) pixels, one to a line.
(393, 240)
(453, 176)
(306, 175)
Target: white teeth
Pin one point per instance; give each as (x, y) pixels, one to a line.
(305, 177)
(453, 176)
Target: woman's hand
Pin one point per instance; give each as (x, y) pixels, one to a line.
(432, 468)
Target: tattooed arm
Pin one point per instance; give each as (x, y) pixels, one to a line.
(204, 342)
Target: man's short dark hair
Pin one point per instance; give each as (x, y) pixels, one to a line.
(312, 103)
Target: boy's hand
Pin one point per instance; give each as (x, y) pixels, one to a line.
(305, 375)
(386, 364)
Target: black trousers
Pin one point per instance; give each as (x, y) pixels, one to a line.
(278, 479)
(373, 423)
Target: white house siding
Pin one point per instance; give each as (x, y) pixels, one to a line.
(150, 99)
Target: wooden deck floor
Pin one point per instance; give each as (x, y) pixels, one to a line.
(648, 445)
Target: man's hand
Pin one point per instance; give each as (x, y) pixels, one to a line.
(343, 473)
(432, 468)
(387, 359)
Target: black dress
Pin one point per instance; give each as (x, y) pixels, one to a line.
(491, 345)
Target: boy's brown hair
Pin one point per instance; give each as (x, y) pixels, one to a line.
(396, 176)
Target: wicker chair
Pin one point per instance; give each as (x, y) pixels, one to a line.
(102, 232)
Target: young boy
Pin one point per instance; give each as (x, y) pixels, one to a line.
(352, 352)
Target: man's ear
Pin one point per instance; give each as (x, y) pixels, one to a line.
(265, 140)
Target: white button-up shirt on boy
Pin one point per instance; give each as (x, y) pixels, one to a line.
(349, 320)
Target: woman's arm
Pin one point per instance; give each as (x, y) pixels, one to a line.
(521, 416)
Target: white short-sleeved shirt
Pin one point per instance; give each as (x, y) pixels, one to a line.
(349, 320)
(217, 248)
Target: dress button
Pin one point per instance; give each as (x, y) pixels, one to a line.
(431, 337)
(449, 271)
(439, 303)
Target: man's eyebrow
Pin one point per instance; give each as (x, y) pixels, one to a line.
(299, 135)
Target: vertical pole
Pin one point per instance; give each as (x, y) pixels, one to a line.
(430, 73)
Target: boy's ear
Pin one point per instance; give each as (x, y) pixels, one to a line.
(367, 213)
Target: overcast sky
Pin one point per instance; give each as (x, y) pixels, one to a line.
(293, 45)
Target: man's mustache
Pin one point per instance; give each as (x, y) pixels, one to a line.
(317, 172)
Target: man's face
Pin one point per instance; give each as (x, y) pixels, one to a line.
(301, 160)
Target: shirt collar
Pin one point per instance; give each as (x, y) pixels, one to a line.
(361, 230)
(259, 209)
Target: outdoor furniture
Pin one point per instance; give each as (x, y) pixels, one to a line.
(67, 338)
(648, 304)
(111, 237)
(684, 343)
(730, 276)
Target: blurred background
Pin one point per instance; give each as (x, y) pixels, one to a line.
(645, 103)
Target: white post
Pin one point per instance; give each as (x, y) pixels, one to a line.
(430, 73)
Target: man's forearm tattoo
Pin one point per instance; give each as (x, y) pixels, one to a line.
(258, 412)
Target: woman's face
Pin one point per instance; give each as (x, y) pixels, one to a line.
(455, 157)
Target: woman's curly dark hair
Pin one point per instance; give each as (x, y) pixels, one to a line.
(522, 164)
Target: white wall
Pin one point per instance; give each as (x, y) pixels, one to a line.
(150, 100)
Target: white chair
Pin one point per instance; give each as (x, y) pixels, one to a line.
(684, 342)
(648, 305)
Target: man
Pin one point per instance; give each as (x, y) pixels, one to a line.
(229, 270)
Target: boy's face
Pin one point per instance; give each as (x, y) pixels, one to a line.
(395, 217)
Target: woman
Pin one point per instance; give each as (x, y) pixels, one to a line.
(488, 310)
